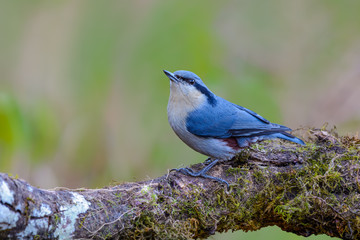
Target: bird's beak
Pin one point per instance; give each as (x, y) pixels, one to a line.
(171, 76)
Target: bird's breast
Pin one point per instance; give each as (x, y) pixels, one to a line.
(180, 105)
(212, 147)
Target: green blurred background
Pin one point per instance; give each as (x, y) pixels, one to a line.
(83, 97)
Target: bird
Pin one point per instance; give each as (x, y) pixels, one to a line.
(212, 125)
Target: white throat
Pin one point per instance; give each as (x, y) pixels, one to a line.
(183, 100)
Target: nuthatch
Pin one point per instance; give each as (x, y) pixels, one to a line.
(212, 125)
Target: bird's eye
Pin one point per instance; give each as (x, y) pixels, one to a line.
(191, 81)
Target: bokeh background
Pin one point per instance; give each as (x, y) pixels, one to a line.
(83, 97)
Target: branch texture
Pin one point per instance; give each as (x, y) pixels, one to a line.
(305, 190)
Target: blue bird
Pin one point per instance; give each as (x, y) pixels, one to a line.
(212, 125)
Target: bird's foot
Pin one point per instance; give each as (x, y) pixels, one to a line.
(202, 173)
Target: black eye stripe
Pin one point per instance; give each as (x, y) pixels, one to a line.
(188, 80)
(179, 77)
(210, 96)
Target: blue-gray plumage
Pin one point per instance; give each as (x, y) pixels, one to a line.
(212, 125)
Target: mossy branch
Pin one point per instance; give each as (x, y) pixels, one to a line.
(305, 190)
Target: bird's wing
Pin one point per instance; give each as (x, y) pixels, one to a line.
(229, 120)
(252, 113)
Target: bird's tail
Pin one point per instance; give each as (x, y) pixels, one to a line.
(247, 141)
(289, 137)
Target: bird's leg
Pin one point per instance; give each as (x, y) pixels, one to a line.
(202, 172)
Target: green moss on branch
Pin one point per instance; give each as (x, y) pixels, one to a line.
(313, 189)
(305, 190)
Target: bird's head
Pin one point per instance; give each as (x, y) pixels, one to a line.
(187, 86)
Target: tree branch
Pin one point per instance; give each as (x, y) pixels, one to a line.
(304, 190)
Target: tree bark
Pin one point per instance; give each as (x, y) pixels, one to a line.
(305, 190)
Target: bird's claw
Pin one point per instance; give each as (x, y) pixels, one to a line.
(202, 173)
(208, 161)
(186, 171)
